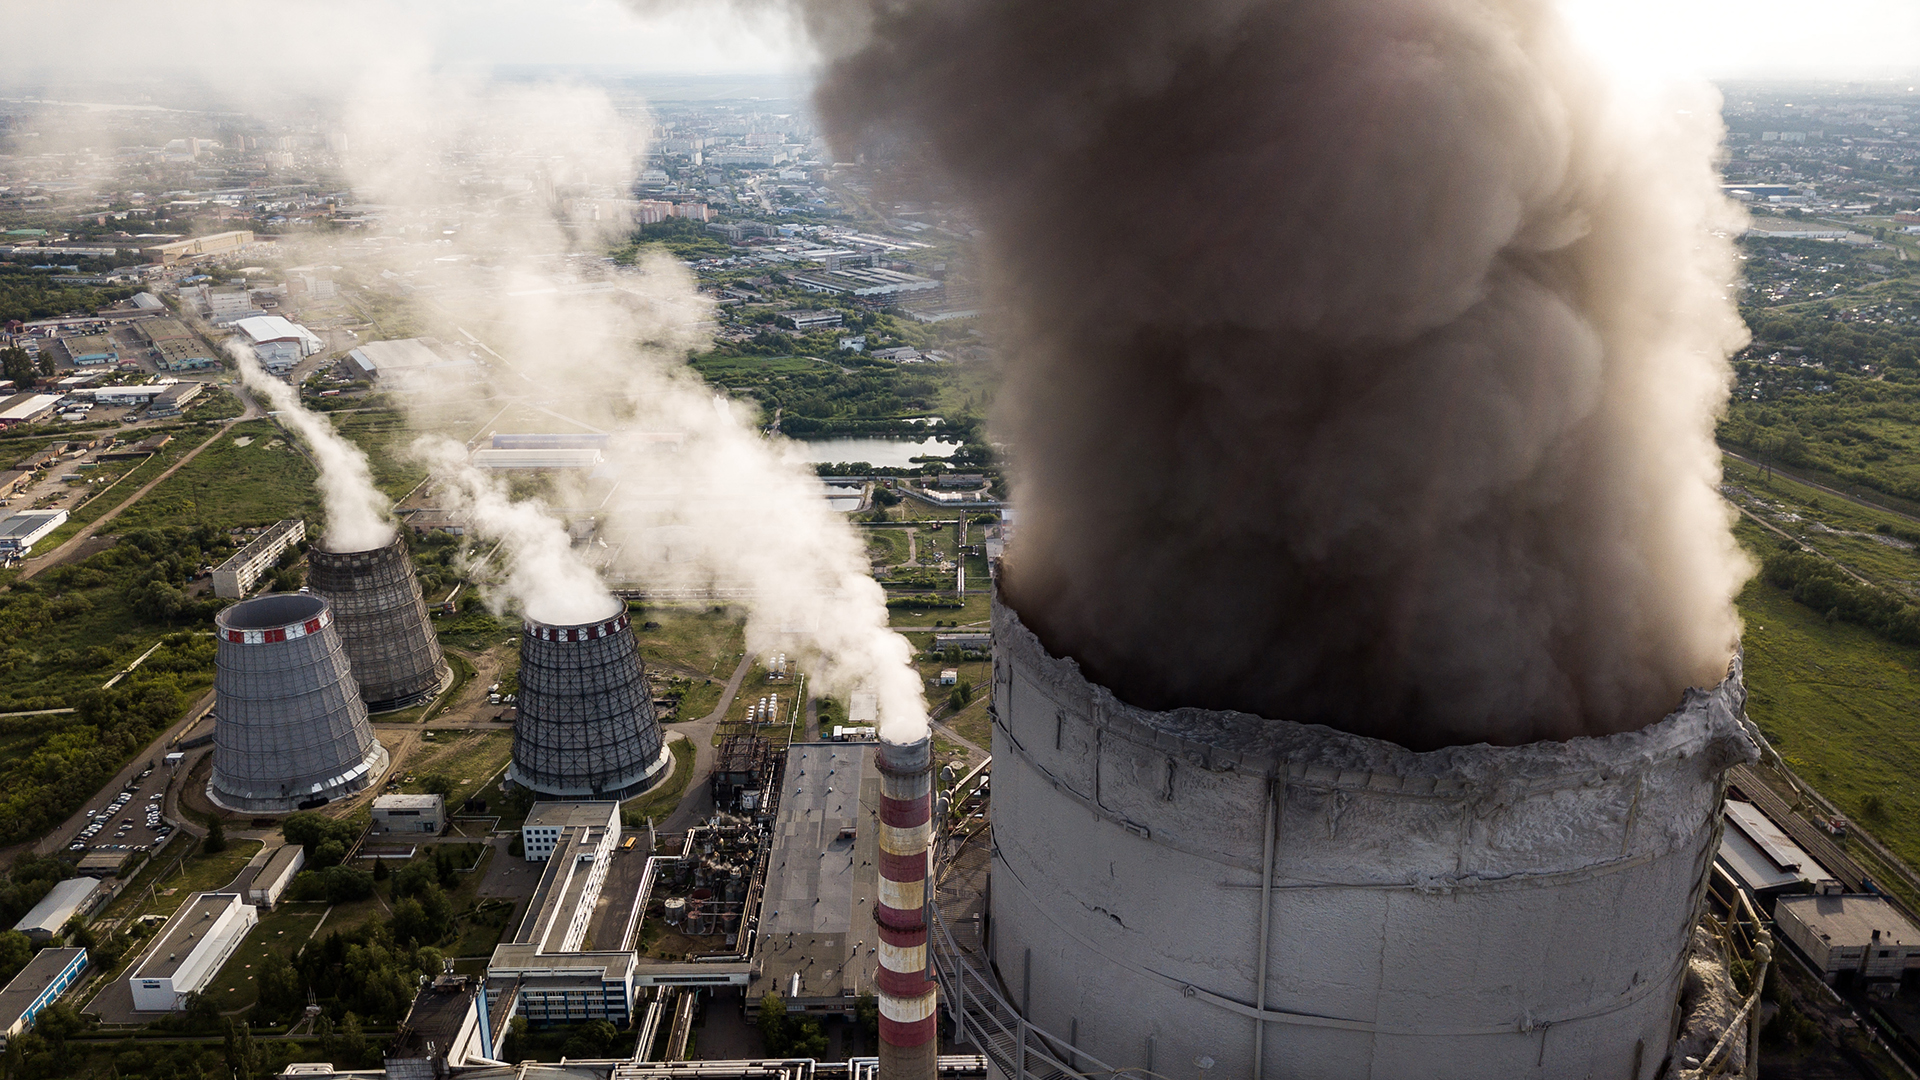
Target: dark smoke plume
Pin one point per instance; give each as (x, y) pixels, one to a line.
(1363, 357)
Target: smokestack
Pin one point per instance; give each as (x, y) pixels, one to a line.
(1290, 900)
(290, 730)
(382, 619)
(909, 1024)
(586, 727)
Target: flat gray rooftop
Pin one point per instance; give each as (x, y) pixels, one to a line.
(33, 980)
(817, 915)
(183, 934)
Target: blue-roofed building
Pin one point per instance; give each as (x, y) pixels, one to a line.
(48, 975)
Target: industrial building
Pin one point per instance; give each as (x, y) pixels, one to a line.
(190, 950)
(582, 458)
(382, 618)
(863, 281)
(120, 396)
(237, 576)
(412, 360)
(19, 532)
(818, 939)
(1763, 859)
(555, 980)
(554, 441)
(1462, 874)
(278, 343)
(421, 815)
(63, 903)
(87, 350)
(27, 409)
(213, 244)
(270, 884)
(38, 985)
(1859, 936)
(173, 401)
(813, 320)
(585, 727)
(290, 732)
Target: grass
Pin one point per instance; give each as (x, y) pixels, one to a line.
(976, 610)
(130, 481)
(233, 484)
(971, 721)
(198, 872)
(282, 931)
(385, 435)
(1838, 704)
(699, 642)
(462, 675)
(660, 802)
(474, 631)
(470, 760)
(1843, 531)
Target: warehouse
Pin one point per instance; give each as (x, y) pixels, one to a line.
(214, 244)
(278, 343)
(27, 409)
(1844, 935)
(192, 948)
(65, 901)
(272, 881)
(39, 984)
(20, 532)
(1762, 858)
(537, 459)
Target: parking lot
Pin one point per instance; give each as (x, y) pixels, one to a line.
(125, 821)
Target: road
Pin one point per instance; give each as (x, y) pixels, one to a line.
(697, 804)
(58, 555)
(1817, 486)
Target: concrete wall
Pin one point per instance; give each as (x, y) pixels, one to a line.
(1466, 913)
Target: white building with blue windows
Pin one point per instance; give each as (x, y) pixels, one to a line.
(48, 975)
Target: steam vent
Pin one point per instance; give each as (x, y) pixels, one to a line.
(379, 612)
(1284, 900)
(586, 725)
(290, 730)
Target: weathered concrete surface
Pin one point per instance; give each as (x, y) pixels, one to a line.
(1471, 912)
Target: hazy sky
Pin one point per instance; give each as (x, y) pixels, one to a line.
(1844, 39)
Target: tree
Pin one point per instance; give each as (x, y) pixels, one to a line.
(773, 1022)
(15, 364)
(46, 365)
(15, 950)
(353, 1041)
(216, 837)
(438, 784)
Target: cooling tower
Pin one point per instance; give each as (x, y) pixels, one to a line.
(586, 726)
(381, 617)
(290, 728)
(1272, 899)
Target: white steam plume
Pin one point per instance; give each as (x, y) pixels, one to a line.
(357, 512)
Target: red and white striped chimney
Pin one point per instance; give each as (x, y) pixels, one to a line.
(909, 1042)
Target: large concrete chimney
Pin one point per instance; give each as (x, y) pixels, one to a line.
(382, 619)
(289, 729)
(586, 728)
(909, 1026)
(1285, 900)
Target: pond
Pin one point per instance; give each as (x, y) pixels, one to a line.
(844, 496)
(893, 453)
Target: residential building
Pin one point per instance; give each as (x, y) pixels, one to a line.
(235, 578)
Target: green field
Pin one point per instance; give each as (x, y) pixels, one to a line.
(253, 475)
(689, 641)
(660, 802)
(1840, 705)
(282, 931)
(173, 878)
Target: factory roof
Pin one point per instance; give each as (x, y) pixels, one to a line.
(1761, 855)
(408, 802)
(822, 877)
(277, 866)
(185, 933)
(264, 328)
(1847, 920)
(51, 914)
(551, 458)
(27, 522)
(32, 981)
(572, 813)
